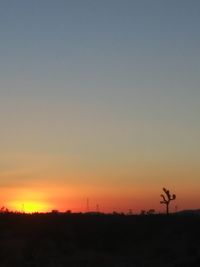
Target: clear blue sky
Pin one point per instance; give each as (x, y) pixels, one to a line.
(108, 89)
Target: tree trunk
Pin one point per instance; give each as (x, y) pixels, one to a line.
(167, 208)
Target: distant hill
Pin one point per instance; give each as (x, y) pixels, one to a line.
(189, 212)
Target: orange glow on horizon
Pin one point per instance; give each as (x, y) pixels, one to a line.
(107, 198)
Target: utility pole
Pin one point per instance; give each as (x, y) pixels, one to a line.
(88, 205)
(97, 208)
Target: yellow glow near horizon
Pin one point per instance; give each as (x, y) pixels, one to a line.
(29, 206)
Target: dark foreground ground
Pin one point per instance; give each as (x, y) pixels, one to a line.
(77, 240)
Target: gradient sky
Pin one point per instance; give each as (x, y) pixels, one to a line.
(99, 99)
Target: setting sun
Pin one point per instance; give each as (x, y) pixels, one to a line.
(29, 206)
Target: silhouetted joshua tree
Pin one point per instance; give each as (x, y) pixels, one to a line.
(167, 198)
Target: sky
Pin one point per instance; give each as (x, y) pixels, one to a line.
(99, 100)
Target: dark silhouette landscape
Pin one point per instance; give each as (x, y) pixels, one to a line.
(81, 239)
